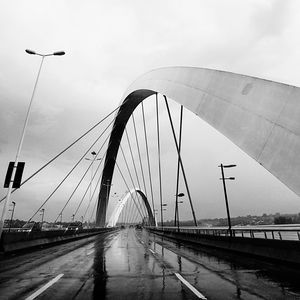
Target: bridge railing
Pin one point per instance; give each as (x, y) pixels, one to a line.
(282, 233)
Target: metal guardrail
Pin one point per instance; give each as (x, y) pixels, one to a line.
(292, 234)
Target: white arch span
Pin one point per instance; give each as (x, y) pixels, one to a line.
(118, 209)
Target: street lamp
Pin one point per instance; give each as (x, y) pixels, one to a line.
(12, 214)
(177, 210)
(225, 193)
(43, 212)
(15, 163)
(93, 159)
(164, 209)
(176, 219)
(92, 174)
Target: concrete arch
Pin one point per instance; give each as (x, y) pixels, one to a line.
(116, 213)
(261, 117)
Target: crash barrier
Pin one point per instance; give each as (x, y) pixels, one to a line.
(270, 232)
(13, 241)
(287, 251)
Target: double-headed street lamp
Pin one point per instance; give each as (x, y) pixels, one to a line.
(225, 193)
(179, 195)
(93, 159)
(42, 214)
(16, 162)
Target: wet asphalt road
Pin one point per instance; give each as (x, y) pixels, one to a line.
(131, 264)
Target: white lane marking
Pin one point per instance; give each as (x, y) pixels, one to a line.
(43, 288)
(151, 251)
(195, 291)
(90, 252)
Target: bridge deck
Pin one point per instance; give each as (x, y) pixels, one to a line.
(131, 264)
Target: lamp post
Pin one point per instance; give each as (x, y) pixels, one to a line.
(94, 154)
(178, 222)
(60, 215)
(7, 199)
(225, 193)
(43, 212)
(164, 209)
(176, 219)
(12, 214)
(93, 159)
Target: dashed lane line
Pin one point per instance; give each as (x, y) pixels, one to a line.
(45, 287)
(90, 252)
(187, 284)
(151, 251)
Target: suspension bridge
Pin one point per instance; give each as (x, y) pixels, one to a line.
(108, 238)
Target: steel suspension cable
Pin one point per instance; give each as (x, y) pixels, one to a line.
(125, 212)
(129, 210)
(94, 208)
(159, 162)
(148, 159)
(139, 153)
(127, 204)
(133, 211)
(130, 149)
(127, 186)
(81, 179)
(68, 174)
(178, 168)
(134, 215)
(92, 180)
(127, 166)
(92, 196)
(95, 188)
(181, 163)
(63, 151)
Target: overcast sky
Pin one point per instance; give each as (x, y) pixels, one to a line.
(109, 44)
